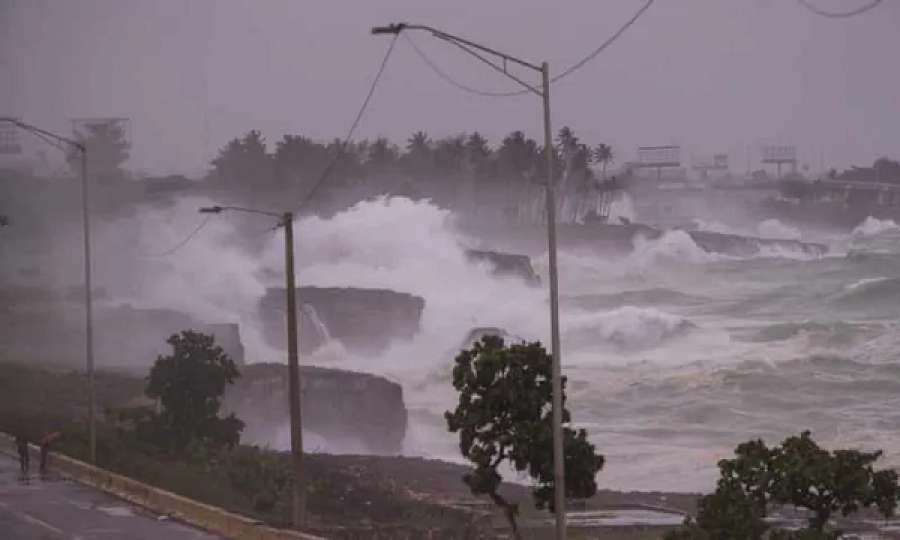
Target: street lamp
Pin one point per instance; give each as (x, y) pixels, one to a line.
(286, 220)
(88, 308)
(544, 92)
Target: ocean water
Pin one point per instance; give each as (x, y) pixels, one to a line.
(673, 355)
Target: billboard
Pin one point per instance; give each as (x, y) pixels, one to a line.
(9, 139)
(779, 154)
(659, 156)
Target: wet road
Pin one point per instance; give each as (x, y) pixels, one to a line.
(56, 508)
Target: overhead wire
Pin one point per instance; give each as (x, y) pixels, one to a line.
(839, 14)
(327, 172)
(182, 242)
(566, 72)
(321, 180)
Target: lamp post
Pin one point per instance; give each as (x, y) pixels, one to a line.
(286, 220)
(543, 92)
(88, 304)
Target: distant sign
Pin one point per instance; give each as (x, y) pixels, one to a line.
(9, 139)
(779, 154)
(659, 156)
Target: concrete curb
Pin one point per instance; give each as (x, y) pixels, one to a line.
(204, 516)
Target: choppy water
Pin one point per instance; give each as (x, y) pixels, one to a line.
(674, 355)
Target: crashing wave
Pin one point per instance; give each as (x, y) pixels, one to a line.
(772, 228)
(628, 327)
(872, 226)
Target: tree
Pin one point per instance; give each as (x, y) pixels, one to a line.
(189, 385)
(107, 150)
(244, 162)
(478, 154)
(450, 153)
(518, 157)
(603, 155)
(504, 415)
(299, 158)
(418, 153)
(797, 473)
(382, 155)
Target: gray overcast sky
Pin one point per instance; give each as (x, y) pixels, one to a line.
(712, 75)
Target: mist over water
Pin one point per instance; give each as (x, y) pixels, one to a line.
(673, 355)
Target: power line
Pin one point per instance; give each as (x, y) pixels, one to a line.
(359, 115)
(607, 43)
(566, 72)
(183, 242)
(839, 14)
(442, 74)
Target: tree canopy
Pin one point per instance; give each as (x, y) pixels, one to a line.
(504, 415)
(798, 473)
(189, 384)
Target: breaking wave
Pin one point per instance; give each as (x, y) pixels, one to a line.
(772, 228)
(628, 327)
(872, 226)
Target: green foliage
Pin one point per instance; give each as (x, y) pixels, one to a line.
(504, 415)
(189, 384)
(797, 473)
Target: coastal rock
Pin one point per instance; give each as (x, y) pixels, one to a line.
(362, 320)
(506, 264)
(342, 411)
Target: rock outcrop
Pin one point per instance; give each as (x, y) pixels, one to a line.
(342, 411)
(506, 264)
(362, 320)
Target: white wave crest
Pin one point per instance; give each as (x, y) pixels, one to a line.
(772, 228)
(864, 282)
(628, 326)
(674, 245)
(713, 226)
(872, 226)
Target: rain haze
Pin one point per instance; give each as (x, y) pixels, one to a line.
(296, 261)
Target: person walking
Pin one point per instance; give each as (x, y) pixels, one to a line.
(22, 447)
(45, 449)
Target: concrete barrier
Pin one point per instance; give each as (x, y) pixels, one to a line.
(160, 501)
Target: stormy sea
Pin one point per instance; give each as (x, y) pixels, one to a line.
(673, 355)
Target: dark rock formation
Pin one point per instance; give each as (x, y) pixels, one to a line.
(363, 320)
(506, 264)
(746, 246)
(352, 412)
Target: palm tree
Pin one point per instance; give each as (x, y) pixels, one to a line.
(603, 155)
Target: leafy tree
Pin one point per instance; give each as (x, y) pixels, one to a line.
(382, 155)
(418, 153)
(603, 155)
(519, 157)
(299, 158)
(107, 150)
(189, 385)
(504, 415)
(449, 154)
(244, 162)
(478, 154)
(797, 473)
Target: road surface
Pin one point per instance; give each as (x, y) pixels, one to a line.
(60, 509)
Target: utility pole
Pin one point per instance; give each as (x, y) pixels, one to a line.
(88, 301)
(559, 473)
(476, 50)
(298, 509)
(298, 495)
